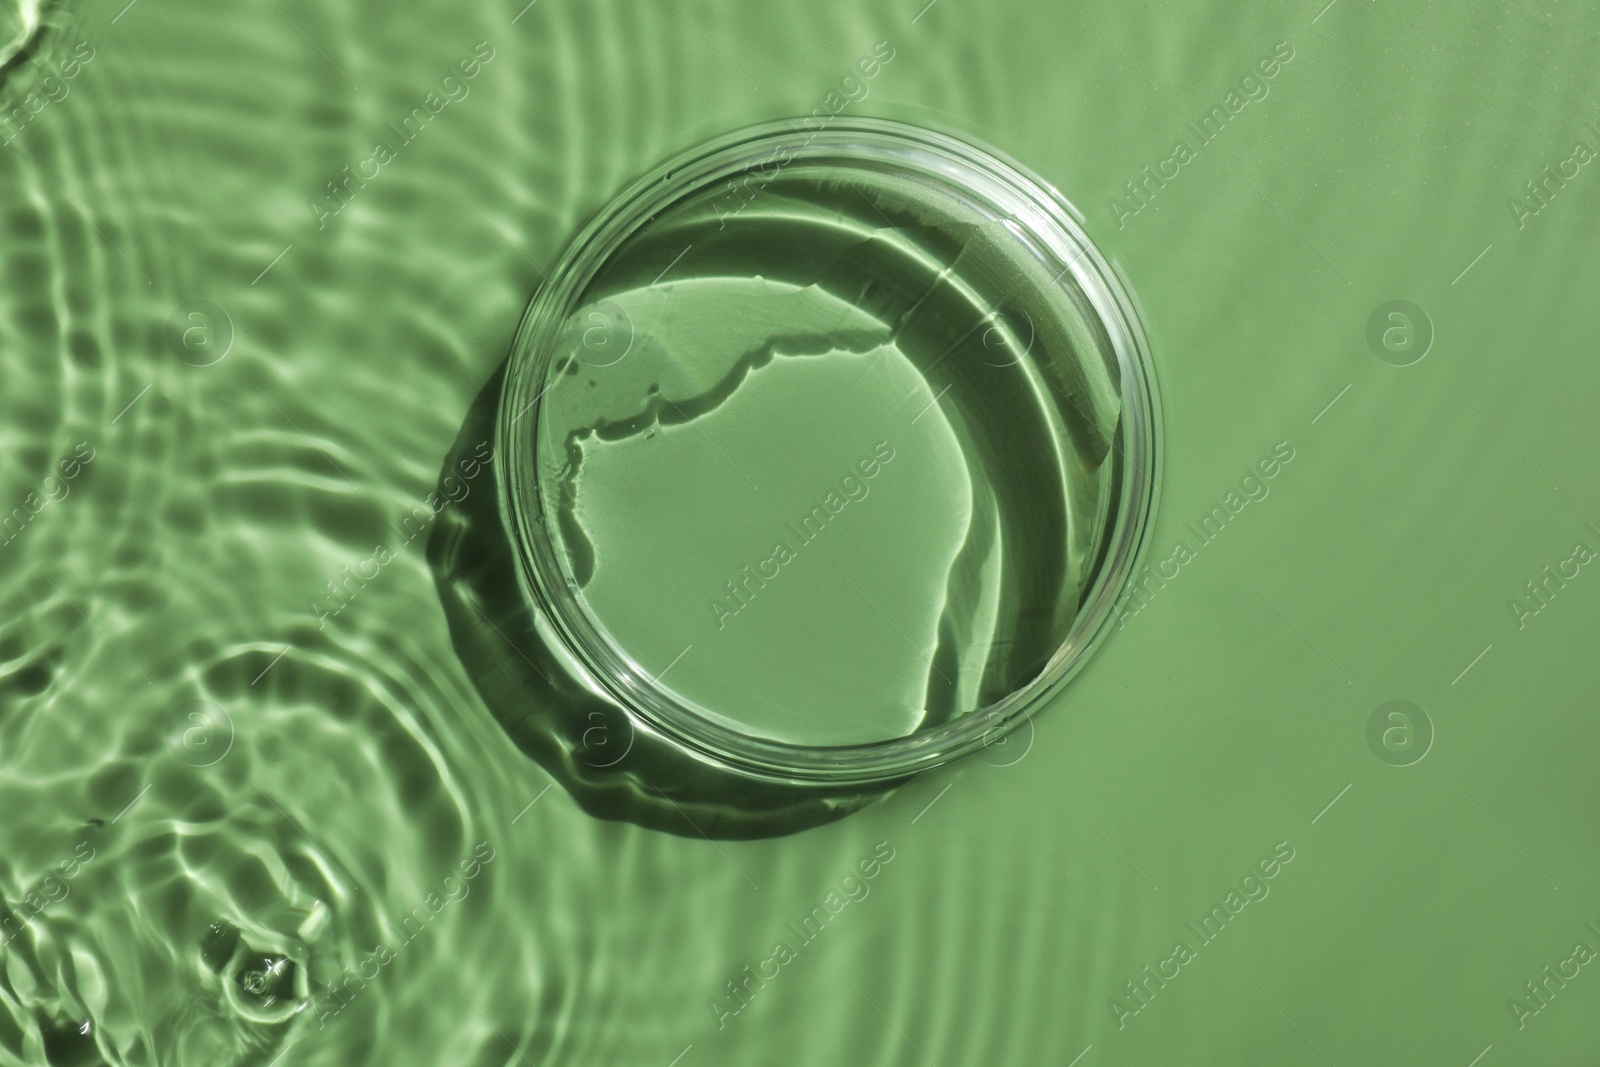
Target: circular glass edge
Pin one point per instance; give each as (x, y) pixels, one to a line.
(626, 682)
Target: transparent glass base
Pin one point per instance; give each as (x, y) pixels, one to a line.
(827, 452)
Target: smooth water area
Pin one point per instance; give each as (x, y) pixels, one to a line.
(821, 650)
(255, 807)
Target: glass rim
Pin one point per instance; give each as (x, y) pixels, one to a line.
(955, 162)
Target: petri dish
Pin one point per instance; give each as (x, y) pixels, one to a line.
(828, 449)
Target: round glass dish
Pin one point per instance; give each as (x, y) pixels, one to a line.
(828, 451)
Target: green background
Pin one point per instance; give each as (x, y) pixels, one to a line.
(352, 769)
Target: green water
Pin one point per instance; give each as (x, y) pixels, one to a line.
(231, 792)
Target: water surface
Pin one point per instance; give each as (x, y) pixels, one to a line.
(238, 799)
